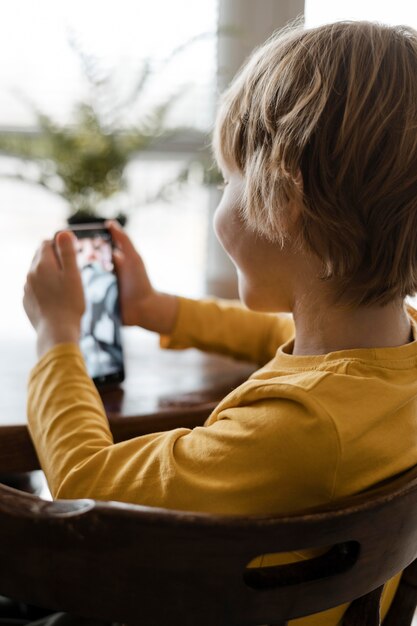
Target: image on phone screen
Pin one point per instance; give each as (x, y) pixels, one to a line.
(100, 325)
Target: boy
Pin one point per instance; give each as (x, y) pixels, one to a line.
(317, 141)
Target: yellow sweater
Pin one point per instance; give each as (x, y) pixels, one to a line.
(302, 431)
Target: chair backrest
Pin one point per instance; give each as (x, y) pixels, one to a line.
(158, 567)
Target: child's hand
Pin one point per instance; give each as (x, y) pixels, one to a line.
(134, 284)
(140, 303)
(54, 298)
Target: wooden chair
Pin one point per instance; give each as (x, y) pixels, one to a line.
(155, 567)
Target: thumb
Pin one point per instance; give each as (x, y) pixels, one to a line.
(66, 251)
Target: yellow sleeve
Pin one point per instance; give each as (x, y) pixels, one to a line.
(226, 327)
(264, 455)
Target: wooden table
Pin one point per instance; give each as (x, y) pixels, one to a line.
(163, 389)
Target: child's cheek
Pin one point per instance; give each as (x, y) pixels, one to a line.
(220, 224)
(228, 227)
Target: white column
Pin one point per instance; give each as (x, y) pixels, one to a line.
(243, 25)
(251, 22)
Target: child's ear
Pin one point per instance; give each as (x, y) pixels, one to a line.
(294, 207)
(299, 180)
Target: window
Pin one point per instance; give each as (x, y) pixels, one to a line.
(38, 60)
(41, 66)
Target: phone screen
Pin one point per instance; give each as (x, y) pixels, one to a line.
(100, 340)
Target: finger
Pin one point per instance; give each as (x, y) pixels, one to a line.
(120, 237)
(118, 258)
(119, 262)
(65, 248)
(44, 254)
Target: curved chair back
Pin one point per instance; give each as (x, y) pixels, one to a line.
(135, 564)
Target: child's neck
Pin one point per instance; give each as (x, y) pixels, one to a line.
(321, 329)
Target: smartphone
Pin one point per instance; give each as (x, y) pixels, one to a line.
(100, 338)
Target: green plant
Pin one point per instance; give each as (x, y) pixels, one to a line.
(85, 162)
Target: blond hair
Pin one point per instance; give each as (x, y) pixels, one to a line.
(337, 103)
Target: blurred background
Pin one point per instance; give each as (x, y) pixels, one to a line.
(107, 110)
